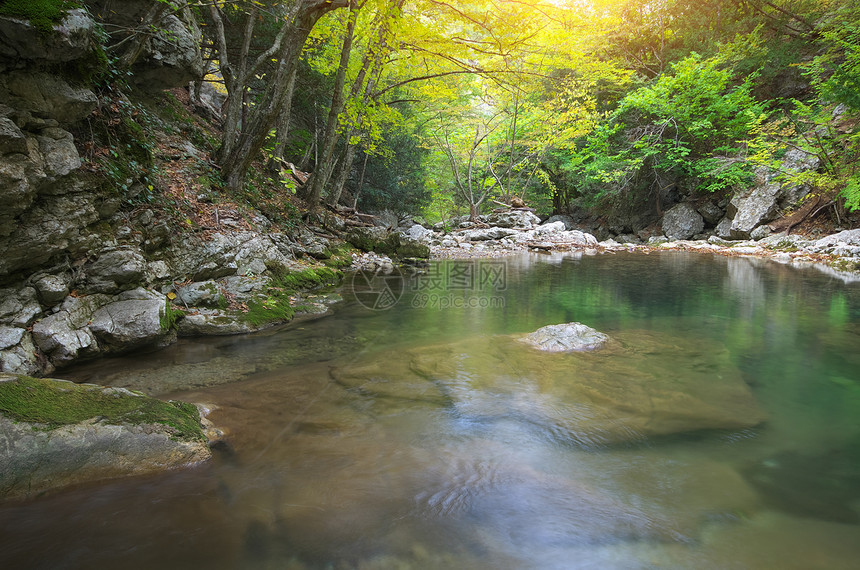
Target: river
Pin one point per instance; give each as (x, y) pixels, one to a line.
(410, 429)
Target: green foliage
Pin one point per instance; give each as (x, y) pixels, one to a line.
(170, 316)
(54, 404)
(43, 14)
(687, 129)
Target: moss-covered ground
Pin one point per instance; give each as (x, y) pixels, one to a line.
(276, 305)
(56, 403)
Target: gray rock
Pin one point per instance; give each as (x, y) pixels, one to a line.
(125, 325)
(34, 459)
(682, 221)
(375, 238)
(628, 238)
(54, 226)
(11, 138)
(51, 96)
(419, 233)
(63, 340)
(485, 234)
(576, 237)
(549, 228)
(213, 323)
(59, 152)
(760, 232)
(522, 219)
(757, 206)
(710, 212)
(51, 289)
(845, 243)
(10, 336)
(115, 270)
(21, 358)
(172, 56)
(413, 248)
(724, 228)
(568, 337)
(568, 222)
(201, 294)
(69, 40)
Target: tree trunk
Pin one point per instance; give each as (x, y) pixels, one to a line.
(261, 118)
(323, 169)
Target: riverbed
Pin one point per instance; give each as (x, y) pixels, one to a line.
(410, 429)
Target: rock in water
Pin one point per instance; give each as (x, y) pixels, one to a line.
(567, 337)
(55, 433)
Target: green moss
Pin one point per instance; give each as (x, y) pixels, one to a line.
(55, 403)
(43, 14)
(340, 256)
(274, 305)
(170, 316)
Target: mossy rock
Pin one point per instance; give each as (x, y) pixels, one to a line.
(55, 433)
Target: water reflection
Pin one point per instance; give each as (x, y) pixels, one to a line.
(421, 438)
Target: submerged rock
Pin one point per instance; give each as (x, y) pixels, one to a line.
(640, 385)
(55, 433)
(565, 338)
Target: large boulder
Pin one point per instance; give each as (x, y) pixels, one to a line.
(54, 433)
(522, 219)
(131, 322)
(376, 238)
(486, 234)
(845, 243)
(172, 56)
(69, 40)
(115, 270)
(567, 337)
(682, 221)
(769, 196)
(50, 96)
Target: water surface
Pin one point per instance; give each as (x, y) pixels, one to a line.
(423, 436)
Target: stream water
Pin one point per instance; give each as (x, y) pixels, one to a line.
(418, 433)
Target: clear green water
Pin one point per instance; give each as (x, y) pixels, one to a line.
(425, 437)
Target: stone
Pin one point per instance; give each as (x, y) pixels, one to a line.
(213, 323)
(69, 40)
(59, 152)
(376, 238)
(485, 234)
(710, 212)
(200, 294)
(128, 324)
(51, 289)
(682, 221)
(35, 457)
(11, 138)
(565, 338)
(549, 229)
(10, 336)
(419, 233)
(760, 232)
(568, 221)
(843, 243)
(522, 219)
(723, 230)
(757, 206)
(51, 96)
(21, 358)
(172, 56)
(63, 340)
(413, 248)
(116, 269)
